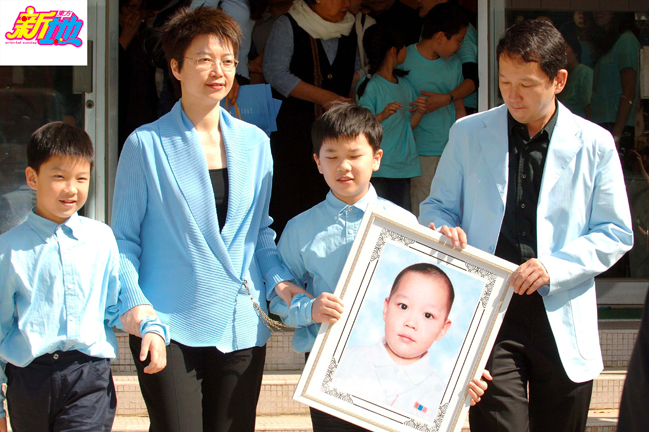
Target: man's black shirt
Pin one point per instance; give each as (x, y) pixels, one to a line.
(517, 240)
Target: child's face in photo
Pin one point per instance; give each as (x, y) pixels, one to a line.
(448, 47)
(347, 166)
(61, 186)
(415, 315)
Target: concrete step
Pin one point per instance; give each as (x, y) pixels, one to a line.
(277, 390)
(279, 355)
(276, 397)
(607, 389)
(598, 421)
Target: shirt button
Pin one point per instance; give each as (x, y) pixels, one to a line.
(330, 76)
(55, 357)
(526, 148)
(524, 176)
(523, 205)
(524, 234)
(69, 286)
(350, 232)
(336, 217)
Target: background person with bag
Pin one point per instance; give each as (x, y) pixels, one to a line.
(310, 59)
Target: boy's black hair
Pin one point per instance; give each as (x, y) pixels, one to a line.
(378, 41)
(61, 140)
(448, 18)
(430, 270)
(535, 41)
(346, 121)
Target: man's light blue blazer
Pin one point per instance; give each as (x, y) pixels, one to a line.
(583, 217)
(172, 254)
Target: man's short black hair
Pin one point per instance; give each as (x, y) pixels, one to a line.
(61, 140)
(535, 41)
(346, 121)
(448, 18)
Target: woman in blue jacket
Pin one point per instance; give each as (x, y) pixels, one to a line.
(190, 215)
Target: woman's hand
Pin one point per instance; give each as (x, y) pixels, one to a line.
(130, 23)
(3, 424)
(153, 343)
(388, 111)
(328, 99)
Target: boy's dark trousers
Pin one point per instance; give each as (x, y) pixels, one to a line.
(62, 391)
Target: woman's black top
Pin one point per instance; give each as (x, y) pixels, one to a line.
(220, 184)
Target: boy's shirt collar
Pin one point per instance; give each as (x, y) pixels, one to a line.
(45, 228)
(337, 206)
(416, 372)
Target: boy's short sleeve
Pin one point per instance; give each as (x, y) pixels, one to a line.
(460, 76)
(368, 100)
(627, 51)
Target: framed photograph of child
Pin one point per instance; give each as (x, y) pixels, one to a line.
(419, 323)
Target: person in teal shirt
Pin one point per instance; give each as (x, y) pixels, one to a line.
(388, 96)
(577, 93)
(615, 92)
(434, 68)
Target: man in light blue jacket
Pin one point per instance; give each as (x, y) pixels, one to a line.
(541, 187)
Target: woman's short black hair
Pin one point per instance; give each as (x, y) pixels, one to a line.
(186, 24)
(535, 41)
(60, 140)
(448, 18)
(346, 121)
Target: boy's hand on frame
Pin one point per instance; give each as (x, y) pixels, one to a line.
(133, 317)
(3, 424)
(456, 234)
(286, 290)
(327, 308)
(154, 344)
(477, 388)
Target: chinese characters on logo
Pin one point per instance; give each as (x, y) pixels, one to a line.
(47, 28)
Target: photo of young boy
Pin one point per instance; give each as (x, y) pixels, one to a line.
(408, 365)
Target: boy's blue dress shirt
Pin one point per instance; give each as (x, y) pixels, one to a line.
(314, 246)
(59, 291)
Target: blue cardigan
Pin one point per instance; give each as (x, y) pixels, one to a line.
(172, 254)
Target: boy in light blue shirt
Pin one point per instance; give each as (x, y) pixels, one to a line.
(434, 67)
(315, 244)
(59, 298)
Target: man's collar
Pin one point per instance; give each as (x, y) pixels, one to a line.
(45, 228)
(513, 124)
